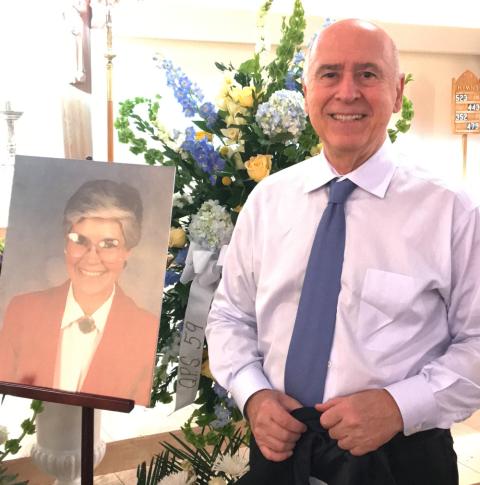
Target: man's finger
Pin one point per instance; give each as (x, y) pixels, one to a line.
(277, 445)
(289, 423)
(325, 406)
(330, 418)
(274, 455)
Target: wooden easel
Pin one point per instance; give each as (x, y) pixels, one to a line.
(88, 402)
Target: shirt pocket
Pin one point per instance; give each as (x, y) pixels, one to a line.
(387, 305)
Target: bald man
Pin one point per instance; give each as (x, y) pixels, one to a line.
(405, 358)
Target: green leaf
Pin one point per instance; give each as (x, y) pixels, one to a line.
(28, 426)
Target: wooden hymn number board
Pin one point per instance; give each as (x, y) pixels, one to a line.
(466, 103)
(466, 108)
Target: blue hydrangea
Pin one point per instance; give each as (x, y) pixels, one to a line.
(211, 226)
(220, 391)
(282, 114)
(223, 417)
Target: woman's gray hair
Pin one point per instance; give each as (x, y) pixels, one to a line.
(107, 199)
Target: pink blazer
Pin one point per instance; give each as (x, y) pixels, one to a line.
(123, 362)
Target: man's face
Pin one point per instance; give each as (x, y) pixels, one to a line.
(351, 90)
(95, 255)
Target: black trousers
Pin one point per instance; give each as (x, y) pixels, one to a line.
(425, 458)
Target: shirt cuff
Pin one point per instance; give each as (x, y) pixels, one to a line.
(416, 402)
(246, 383)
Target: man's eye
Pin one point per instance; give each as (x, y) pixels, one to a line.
(328, 75)
(108, 243)
(368, 75)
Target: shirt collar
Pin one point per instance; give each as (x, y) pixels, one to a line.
(374, 175)
(74, 312)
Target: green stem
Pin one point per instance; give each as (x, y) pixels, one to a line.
(5, 453)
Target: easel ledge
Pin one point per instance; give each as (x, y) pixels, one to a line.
(88, 402)
(94, 401)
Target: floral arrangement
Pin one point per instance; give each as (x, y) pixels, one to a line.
(222, 464)
(257, 127)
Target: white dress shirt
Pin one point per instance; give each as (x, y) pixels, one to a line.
(408, 315)
(77, 348)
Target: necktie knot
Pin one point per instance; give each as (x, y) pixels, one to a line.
(340, 191)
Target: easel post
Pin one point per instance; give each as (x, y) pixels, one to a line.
(88, 402)
(87, 445)
(464, 152)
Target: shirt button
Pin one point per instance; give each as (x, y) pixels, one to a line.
(329, 364)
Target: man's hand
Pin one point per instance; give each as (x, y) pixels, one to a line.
(361, 422)
(275, 430)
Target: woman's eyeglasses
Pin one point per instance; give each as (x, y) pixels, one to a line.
(108, 249)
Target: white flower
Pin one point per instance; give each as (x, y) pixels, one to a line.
(211, 226)
(283, 113)
(233, 465)
(180, 478)
(3, 434)
(217, 481)
(179, 200)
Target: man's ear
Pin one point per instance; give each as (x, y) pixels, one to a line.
(399, 93)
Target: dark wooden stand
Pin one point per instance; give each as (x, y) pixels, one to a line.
(88, 402)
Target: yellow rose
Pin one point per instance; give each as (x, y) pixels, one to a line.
(226, 181)
(178, 238)
(259, 167)
(206, 370)
(200, 135)
(237, 158)
(245, 97)
(238, 208)
(231, 133)
(316, 149)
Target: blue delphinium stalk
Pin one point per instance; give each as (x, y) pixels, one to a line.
(187, 93)
(208, 113)
(295, 72)
(204, 154)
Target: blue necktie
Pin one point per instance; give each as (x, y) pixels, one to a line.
(309, 351)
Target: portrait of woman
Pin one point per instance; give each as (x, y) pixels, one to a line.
(86, 335)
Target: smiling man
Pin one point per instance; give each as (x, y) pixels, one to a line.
(74, 337)
(351, 283)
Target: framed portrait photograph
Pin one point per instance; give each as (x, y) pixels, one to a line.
(82, 276)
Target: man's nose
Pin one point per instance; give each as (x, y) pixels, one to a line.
(347, 89)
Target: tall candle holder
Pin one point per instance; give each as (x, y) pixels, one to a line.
(10, 116)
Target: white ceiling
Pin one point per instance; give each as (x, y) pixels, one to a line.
(427, 12)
